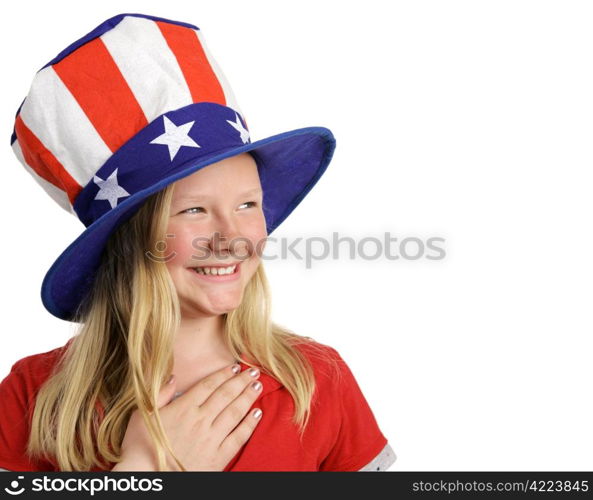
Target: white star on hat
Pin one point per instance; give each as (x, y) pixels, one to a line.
(175, 137)
(109, 189)
(237, 125)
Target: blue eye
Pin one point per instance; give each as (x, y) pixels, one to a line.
(252, 203)
(192, 209)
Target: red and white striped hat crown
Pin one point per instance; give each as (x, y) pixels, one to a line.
(99, 92)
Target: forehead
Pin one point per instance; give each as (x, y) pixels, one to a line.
(233, 176)
(204, 196)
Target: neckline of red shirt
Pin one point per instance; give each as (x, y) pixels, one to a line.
(269, 383)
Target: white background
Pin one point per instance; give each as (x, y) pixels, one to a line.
(466, 120)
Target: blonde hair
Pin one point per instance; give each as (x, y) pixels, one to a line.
(123, 351)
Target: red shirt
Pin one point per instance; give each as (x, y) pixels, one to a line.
(342, 434)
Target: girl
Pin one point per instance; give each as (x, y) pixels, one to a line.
(177, 364)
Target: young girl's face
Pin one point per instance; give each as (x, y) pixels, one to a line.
(216, 220)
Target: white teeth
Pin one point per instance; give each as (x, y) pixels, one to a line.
(216, 270)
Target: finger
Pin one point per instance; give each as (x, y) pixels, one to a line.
(232, 415)
(202, 389)
(228, 391)
(236, 439)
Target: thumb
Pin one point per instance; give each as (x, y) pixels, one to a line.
(167, 392)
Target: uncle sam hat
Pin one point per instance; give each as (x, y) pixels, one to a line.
(133, 106)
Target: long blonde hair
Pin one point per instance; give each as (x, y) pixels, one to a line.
(123, 351)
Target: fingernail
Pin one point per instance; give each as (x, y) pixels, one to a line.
(256, 385)
(236, 368)
(257, 413)
(170, 379)
(254, 372)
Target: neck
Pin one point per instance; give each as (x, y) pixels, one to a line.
(199, 340)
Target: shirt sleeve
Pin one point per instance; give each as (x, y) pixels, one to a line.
(15, 401)
(359, 438)
(382, 462)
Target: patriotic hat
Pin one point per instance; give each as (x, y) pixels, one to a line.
(131, 107)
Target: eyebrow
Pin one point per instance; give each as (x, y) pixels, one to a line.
(199, 196)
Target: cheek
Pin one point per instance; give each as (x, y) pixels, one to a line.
(255, 235)
(183, 243)
(259, 241)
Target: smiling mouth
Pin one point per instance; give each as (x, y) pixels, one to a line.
(217, 271)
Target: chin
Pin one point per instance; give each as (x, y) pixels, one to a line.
(210, 310)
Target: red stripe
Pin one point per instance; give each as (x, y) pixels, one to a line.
(43, 162)
(95, 81)
(200, 78)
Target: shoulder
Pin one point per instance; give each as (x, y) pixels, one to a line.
(328, 366)
(35, 368)
(27, 374)
(318, 354)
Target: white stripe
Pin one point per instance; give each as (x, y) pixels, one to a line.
(385, 459)
(148, 65)
(57, 120)
(58, 195)
(229, 95)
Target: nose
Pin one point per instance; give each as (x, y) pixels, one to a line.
(227, 240)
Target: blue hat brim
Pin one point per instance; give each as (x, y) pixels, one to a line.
(289, 165)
